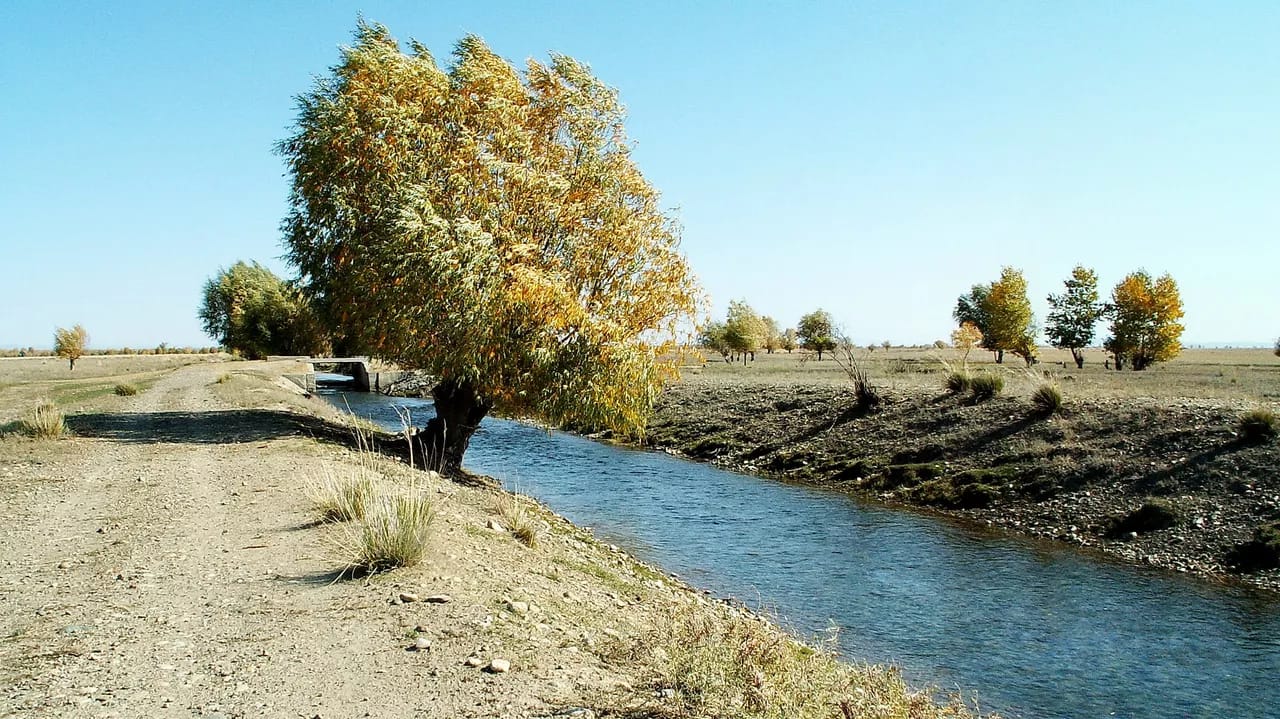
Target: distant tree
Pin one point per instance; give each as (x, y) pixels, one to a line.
(966, 338)
(1144, 321)
(816, 332)
(713, 337)
(972, 308)
(939, 345)
(1002, 314)
(744, 330)
(772, 336)
(789, 340)
(69, 344)
(1277, 349)
(887, 345)
(254, 313)
(1074, 314)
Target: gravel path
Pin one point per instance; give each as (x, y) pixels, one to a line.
(164, 563)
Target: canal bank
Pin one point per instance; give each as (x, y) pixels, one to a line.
(1037, 629)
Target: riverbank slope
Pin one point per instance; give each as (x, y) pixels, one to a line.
(1165, 439)
(164, 560)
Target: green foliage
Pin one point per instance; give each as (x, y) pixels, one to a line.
(1047, 399)
(1145, 315)
(973, 309)
(253, 312)
(46, 421)
(1257, 425)
(488, 226)
(124, 389)
(744, 330)
(714, 337)
(1074, 314)
(985, 386)
(69, 344)
(771, 335)
(789, 340)
(816, 332)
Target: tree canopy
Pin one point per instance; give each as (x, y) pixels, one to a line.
(1074, 314)
(816, 332)
(487, 225)
(1002, 314)
(70, 344)
(1144, 320)
(254, 313)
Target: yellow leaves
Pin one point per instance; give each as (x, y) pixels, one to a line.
(1144, 319)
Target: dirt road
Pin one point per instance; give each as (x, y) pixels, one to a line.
(163, 562)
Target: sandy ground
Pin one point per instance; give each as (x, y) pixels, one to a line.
(163, 562)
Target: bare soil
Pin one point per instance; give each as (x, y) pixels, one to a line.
(1072, 476)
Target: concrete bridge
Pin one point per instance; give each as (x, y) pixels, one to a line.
(357, 368)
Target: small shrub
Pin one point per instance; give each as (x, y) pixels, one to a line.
(1154, 514)
(1047, 399)
(46, 421)
(741, 666)
(957, 382)
(1261, 552)
(518, 519)
(224, 378)
(1258, 425)
(394, 533)
(125, 389)
(985, 386)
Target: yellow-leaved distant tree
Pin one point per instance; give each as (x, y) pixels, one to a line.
(1010, 322)
(486, 225)
(69, 344)
(966, 337)
(1145, 326)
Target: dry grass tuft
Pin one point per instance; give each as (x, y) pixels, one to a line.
(124, 389)
(394, 532)
(224, 378)
(46, 421)
(516, 517)
(1258, 425)
(340, 495)
(985, 386)
(957, 381)
(718, 666)
(1047, 399)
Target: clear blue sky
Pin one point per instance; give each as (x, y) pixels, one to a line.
(874, 159)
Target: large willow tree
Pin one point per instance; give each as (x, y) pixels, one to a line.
(486, 225)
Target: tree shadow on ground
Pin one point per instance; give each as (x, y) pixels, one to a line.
(1191, 473)
(204, 427)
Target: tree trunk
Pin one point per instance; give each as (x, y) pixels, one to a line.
(1078, 356)
(442, 443)
(72, 360)
(999, 356)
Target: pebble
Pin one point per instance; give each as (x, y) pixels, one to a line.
(438, 599)
(421, 644)
(474, 661)
(499, 666)
(408, 597)
(494, 525)
(520, 608)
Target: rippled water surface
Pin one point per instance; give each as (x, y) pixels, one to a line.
(1035, 630)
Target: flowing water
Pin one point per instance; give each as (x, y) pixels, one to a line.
(1035, 630)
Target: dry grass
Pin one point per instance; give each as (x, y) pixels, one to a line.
(394, 532)
(1258, 425)
(712, 665)
(1238, 374)
(517, 518)
(1047, 398)
(46, 421)
(985, 386)
(339, 495)
(125, 389)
